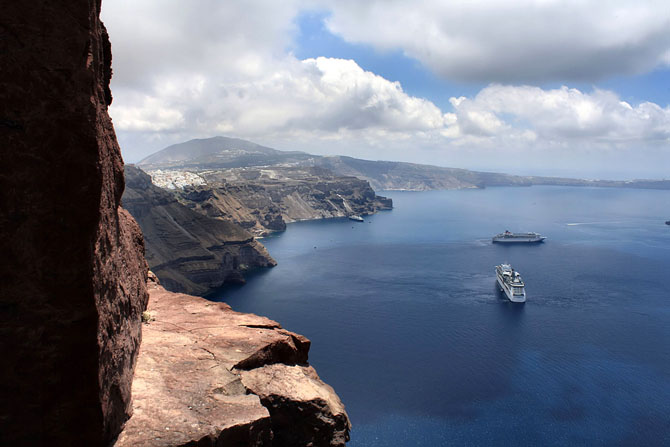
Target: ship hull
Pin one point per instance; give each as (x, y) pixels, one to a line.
(508, 293)
(518, 240)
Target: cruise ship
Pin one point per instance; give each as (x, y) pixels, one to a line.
(514, 238)
(510, 283)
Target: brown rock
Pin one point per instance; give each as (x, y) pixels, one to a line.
(188, 389)
(304, 410)
(73, 271)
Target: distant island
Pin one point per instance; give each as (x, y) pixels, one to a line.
(243, 159)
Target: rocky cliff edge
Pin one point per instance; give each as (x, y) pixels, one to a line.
(71, 261)
(207, 376)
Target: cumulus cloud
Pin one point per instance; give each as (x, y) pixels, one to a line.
(564, 114)
(216, 68)
(514, 42)
(321, 95)
(225, 68)
(232, 40)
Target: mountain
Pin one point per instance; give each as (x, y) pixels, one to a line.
(389, 175)
(217, 153)
(227, 154)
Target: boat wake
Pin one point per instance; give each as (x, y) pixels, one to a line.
(572, 224)
(482, 242)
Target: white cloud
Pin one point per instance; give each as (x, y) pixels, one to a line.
(318, 95)
(217, 68)
(562, 115)
(514, 42)
(233, 40)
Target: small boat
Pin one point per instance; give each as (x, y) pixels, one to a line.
(667, 222)
(510, 283)
(356, 217)
(515, 238)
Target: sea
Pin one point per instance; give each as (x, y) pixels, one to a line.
(408, 326)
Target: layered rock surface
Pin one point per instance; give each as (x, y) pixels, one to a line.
(188, 251)
(207, 376)
(73, 269)
(264, 200)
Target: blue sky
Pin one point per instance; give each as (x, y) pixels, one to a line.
(313, 39)
(551, 87)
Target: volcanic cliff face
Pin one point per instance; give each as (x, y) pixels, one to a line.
(259, 188)
(73, 269)
(264, 200)
(189, 252)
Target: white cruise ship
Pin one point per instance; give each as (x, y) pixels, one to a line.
(508, 237)
(510, 283)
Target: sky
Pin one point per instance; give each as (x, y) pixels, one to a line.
(577, 88)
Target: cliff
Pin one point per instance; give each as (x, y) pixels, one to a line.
(74, 277)
(263, 200)
(72, 264)
(189, 252)
(209, 376)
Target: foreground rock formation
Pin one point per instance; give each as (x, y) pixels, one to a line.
(73, 269)
(189, 252)
(207, 376)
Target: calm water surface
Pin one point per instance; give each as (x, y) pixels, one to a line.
(408, 327)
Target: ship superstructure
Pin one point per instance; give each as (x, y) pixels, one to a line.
(509, 237)
(510, 283)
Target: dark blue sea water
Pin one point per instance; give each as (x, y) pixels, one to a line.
(408, 327)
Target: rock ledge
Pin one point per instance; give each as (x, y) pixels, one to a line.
(207, 375)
